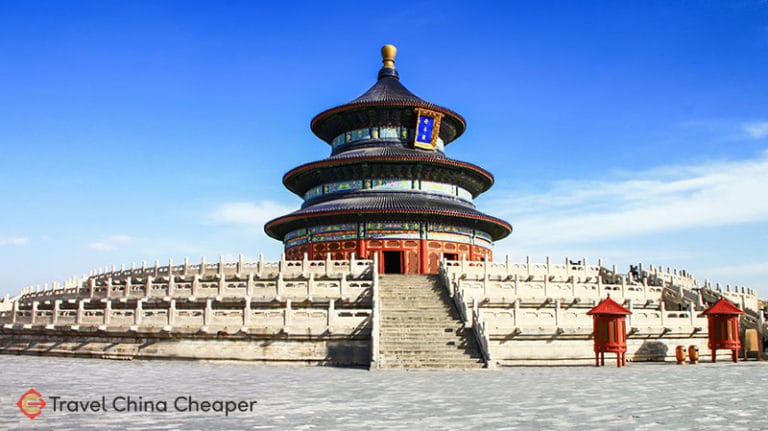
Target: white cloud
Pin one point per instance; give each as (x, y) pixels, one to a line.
(664, 199)
(759, 269)
(14, 241)
(110, 243)
(756, 130)
(254, 214)
(742, 274)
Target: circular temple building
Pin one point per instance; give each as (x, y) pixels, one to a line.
(388, 188)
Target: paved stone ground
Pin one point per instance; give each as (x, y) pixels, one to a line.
(640, 396)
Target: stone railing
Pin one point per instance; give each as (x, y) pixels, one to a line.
(549, 321)
(483, 337)
(376, 315)
(507, 281)
(745, 298)
(197, 287)
(674, 277)
(6, 302)
(204, 317)
(470, 317)
(293, 279)
(537, 313)
(240, 296)
(536, 305)
(477, 270)
(545, 291)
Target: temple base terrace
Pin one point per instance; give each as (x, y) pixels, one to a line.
(346, 313)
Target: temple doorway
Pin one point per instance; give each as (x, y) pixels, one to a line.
(393, 262)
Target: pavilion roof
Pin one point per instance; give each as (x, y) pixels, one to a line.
(609, 307)
(723, 306)
(386, 102)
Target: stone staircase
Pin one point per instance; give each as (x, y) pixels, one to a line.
(420, 327)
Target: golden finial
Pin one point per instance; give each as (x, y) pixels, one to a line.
(388, 53)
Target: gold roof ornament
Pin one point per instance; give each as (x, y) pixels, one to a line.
(388, 53)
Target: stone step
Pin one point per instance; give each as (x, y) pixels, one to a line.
(441, 355)
(420, 340)
(414, 293)
(394, 328)
(424, 333)
(406, 318)
(409, 319)
(414, 339)
(423, 344)
(431, 314)
(430, 358)
(411, 316)
(445, 312)
(416, 342)
(420, 303)
(417, 292)
(433, 358)
(438, 351)
(432, 365)
(452, 355)
(425, 349)
(420, 327)
(411, 288)
(471, 363)
(419, 323)
(426, 312)
(420, 334)
(413, 304)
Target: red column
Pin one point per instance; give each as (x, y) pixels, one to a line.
(423, 257)
(361, 249)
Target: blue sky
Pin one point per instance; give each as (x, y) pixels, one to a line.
(627, 131)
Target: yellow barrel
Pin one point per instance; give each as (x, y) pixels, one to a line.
(693, 354)
(680, 354)
(751, 344)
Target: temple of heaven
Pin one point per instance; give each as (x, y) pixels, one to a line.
(388, 188)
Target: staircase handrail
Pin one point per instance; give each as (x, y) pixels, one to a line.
(470, 319)
(482, 336)
(376, 318)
